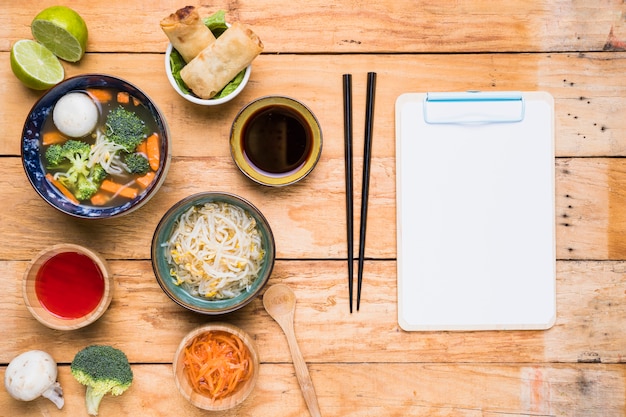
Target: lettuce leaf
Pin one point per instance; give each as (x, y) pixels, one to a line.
(217, 23)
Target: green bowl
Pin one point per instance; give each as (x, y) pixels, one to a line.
(179, 294)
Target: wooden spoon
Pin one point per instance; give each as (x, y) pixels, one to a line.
(280, 302)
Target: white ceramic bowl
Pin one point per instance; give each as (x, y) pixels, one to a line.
(195, 99)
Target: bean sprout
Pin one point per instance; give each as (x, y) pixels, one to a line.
(215, 251)
(106, 153)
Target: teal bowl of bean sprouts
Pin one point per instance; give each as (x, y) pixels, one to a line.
(212, 252)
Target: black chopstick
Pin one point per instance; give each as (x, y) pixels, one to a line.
(367, 156)
(347, 132)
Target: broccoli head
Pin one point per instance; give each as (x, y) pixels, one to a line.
(136, 163)
(104, 370)
(71, 161)
(125, 128)
(72, 155)
(87, 186)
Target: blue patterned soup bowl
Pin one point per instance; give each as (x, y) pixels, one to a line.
(95, 147)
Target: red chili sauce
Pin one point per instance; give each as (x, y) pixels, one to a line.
(69, 285)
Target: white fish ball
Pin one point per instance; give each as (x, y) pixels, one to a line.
(75, 115)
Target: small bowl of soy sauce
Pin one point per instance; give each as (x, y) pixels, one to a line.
(67, 286)
(276, 141)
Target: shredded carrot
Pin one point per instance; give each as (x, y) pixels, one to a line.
(62, 188)
(145, 179)
(100, 94)
(123, 97)
(153, 151)
(53, 137)
(119, 189)
(217, 363)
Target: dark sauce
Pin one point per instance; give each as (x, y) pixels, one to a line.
(277, 140)
(69, 285)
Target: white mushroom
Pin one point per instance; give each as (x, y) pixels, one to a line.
(31, 375)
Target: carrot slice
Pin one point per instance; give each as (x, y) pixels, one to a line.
(53, 137)
(136, 101)
(119, 189)
(100, 94)
(100, 198)
(145, 180)
(123, 97)
(142, 148)
(62, 188)
(153, 151)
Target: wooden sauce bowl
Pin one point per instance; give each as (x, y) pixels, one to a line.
(55, 320)
(204, 402)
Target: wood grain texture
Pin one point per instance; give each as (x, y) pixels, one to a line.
(589, 91)
(590, 211)
(589, 327)
(357, 25)
(390, 389)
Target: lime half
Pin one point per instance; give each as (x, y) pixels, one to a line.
(35, 66)
(61, 30)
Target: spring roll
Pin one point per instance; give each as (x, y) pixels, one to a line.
(187, 32)
(221, 61)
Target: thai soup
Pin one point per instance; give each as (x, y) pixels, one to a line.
(101, 147)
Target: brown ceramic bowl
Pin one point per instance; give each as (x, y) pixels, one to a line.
(200, 400)
(67, 286)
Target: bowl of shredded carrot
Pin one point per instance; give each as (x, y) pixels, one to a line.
(216, 366)
(95, 146)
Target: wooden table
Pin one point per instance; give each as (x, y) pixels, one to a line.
(362, 364)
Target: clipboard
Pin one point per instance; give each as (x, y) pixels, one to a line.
(475, 211)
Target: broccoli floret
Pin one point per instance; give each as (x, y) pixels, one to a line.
(55, 155)
(136, 163)
(86, 187)
(71, 160)
(104, 370)
(72, 155)
(97, 174)
(125, 128)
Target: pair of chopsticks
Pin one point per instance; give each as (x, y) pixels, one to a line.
(367, 156)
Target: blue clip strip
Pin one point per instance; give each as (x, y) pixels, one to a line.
(453, 108)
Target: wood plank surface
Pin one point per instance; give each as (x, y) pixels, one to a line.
(589, 91)
(590, 212)
(358, 25)
(417, 389)
(362, 364)
(589, 325)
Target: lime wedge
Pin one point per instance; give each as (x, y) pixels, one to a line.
(61, 30)
(35, 66)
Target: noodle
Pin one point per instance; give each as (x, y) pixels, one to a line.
(215, 251)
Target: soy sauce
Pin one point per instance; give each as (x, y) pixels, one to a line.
(69, 285)
(277, 140)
